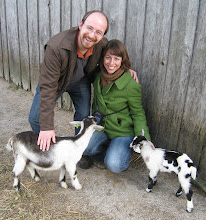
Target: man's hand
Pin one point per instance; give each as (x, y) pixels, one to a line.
(134, 75)
(44, 139)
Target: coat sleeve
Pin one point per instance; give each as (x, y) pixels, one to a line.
(136, 108)
(48, 84)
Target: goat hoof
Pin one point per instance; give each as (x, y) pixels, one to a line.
(64, 185)
(15, 186)
(189, 210)
(79, 187)
(178, 194)
(37, 179)
(148, 190)
(17, 189)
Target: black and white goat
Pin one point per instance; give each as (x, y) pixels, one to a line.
(64, 154)
(157, 159)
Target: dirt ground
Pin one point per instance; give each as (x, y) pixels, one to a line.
(104, 195)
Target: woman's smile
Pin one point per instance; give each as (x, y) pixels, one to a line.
(111, 62)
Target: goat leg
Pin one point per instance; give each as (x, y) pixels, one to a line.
(179, 191)
(189, 201)
(151, 184)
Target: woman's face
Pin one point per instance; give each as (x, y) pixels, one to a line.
(111, 62)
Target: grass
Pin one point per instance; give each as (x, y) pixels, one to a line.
(32, 203)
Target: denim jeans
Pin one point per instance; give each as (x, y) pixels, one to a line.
(80, 93)
(118, 153)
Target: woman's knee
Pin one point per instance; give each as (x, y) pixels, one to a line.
(118, 154)
(96, 144)
(115, 166)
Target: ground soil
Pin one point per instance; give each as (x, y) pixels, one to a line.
(105, 195)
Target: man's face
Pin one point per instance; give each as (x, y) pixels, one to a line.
(92, 31)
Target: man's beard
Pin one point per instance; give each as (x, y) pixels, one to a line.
(87, 44)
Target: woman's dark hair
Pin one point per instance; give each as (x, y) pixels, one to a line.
(117, 48)
(96, 11)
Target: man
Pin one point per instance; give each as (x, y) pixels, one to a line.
(70, 58)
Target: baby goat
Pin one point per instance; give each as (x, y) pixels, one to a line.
(162, 160)
(64, 154)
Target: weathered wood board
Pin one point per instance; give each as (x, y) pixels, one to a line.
(33, 38)
(23, 44)
(13, 41)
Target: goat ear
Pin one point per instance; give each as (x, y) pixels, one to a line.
(142, 132)
(98, 127)
(75, 123)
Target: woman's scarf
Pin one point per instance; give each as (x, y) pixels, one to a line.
(107, 79)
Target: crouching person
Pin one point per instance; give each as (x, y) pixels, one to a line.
(117, 102)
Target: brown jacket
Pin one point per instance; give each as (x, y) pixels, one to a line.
(57, 69)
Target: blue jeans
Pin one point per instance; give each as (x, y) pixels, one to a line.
(80, 93)
(117, 154)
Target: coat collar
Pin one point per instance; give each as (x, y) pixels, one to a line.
(120, 83)
(69, 42)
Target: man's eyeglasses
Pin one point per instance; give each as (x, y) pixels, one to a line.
(91, 30)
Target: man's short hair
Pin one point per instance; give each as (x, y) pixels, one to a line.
(96, 11)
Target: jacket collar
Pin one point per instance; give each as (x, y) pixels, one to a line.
(120, 83)
(69, 42)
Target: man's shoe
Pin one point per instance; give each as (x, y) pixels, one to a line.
(85, 162)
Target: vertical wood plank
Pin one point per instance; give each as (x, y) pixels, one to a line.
(78, 10)
(5, 53)
(94, 5)
(33, 37)
(66, 101)
(55, 17)
(135, 32)
(23, 43)
(178, 70)
(44, 26)
(116, 13)
(13, 41)
(1, 58)
(66, 15)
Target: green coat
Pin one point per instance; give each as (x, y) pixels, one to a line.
(116, 96)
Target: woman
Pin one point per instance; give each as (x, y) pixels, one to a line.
(118, 97)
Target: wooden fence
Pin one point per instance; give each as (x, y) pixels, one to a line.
(166, 41)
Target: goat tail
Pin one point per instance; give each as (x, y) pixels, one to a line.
(9, 145)
(193, 172)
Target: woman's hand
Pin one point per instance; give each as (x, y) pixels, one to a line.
(152, 145)
(134, 75)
